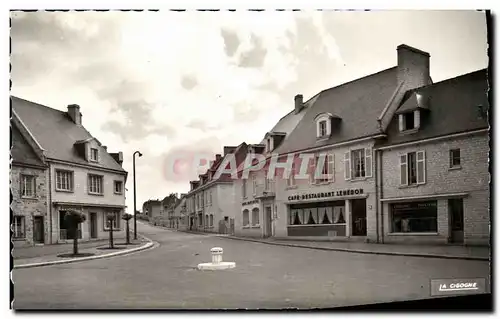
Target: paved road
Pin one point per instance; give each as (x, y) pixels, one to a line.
(265, 277)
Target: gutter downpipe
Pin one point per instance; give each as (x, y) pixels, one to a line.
(377, 199)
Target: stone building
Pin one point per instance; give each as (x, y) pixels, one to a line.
(434, 165)
(28, 184)
(81, 174)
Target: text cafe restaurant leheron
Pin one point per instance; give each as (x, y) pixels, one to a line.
(325, 213)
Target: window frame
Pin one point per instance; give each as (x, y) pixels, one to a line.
(116, 182)
(89, 184)
(69, 180)
(453, 157)
(405, 168)
(92, 158)
(247, 213)
(23, 178)
(116, 222)
(255, 212)
(22, 225)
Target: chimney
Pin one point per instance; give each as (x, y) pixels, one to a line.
(74, 113)
(218, 157)
(229, 149)
(118, 157)
(299, 103)
(413, 67)
(105, 148)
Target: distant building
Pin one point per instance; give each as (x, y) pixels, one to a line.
(81, 175)
(152, 209)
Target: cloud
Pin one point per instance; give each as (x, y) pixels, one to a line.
(205, 81)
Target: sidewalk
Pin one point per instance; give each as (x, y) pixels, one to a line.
(92, 249)
(429, 251)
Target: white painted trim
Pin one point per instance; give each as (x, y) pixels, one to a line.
(326, 199)
(423, 197)
(386, 108)
(433, 139)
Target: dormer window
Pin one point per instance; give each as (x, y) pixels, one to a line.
(322, 128)
(94, 154)
(323, 125)
(409, 121)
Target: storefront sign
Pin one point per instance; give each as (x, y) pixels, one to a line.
(250, 202)
(337, 193)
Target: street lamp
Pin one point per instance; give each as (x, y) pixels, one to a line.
(135, 200)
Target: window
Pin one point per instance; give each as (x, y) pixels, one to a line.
(358, 163)
(291, 179)
(200, 219)
(118, 187)
(211, 220)
(323, 125)
(116, 222)
(95, 184)
(28, 186)
(327, 170)
(414, 217)
(244, 188)
(324, 214)
(412, 166)
(64, 180)
(455, 158)
(322, 128)
(206, 220)
(409, 121)
(18, 227)
(255, 217)
(94, 154)
(254, 184)
(246, 218)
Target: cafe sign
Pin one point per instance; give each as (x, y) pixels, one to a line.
(336, 193)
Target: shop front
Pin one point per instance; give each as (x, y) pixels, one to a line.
(337, 213)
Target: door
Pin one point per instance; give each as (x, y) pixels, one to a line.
(38, 230)
(358, 219)
(93, 225)
(456, 213)
(268, 230)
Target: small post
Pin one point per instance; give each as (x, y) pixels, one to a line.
(216, 255)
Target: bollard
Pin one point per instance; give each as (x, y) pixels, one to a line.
(216, 255)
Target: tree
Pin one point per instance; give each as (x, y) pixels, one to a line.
(73, 218)
(127, 217)
(111, 217)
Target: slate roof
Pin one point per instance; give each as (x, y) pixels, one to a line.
(57, 133)
(358, 103)
(21, 151)
(452, 108)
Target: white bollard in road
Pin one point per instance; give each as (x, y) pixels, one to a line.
(216, 255)
(217, 262)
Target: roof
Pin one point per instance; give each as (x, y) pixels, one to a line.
(57, 133)
(357, 103)
(21, 151)
(454, 102)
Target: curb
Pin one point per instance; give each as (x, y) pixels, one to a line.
(148, 245)
(361, 251)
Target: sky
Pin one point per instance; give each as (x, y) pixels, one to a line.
(176, 84)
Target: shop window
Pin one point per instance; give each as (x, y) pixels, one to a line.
(325, 215)
(414, 217)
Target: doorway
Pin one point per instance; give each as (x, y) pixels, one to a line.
(358, 220)
(38, 230)
(456, 216)
(93, 225)
(268, 221)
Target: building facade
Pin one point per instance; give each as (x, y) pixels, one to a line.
(153, 210)
(434, 165)
(81, 174)
(28, 180)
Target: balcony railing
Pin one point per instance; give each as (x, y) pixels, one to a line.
(265, 190)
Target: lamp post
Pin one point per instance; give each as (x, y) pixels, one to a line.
(135, 197)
